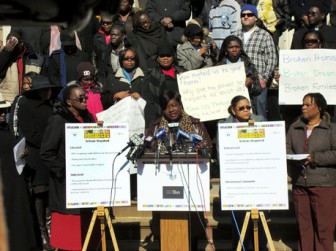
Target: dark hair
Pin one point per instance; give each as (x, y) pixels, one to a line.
(318, 34)
(319, 100)
(223, 51)
(31, 74)
(320, 6)
(234, 103)
(67, 91)
(136, 18)
(117, 25)
(167, 96)
(122, 56)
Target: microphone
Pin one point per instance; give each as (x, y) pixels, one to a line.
(181, 136)
(161, 134)
(135, 140)
(173, 127)
(195, 139)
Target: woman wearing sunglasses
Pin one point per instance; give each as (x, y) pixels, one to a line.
(240, 111)
(127, 81)
(66, 229)
(313, 40)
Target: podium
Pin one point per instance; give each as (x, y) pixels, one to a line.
(174, 185)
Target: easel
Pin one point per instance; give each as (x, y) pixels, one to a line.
(255, 214)
(102, 214)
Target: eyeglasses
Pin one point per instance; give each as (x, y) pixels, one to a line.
(311, 41)
(246, 15)
(129, 58)
(81, 99)
(312, 13)
(242, 108)
(106, 22)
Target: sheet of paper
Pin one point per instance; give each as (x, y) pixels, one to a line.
(297, 156)
(18, 150)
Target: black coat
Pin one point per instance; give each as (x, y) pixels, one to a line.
(99, 55)
(178, 10)
(71, 62)
(33, 117)
(155, 83)
(118, 83)
(53, 155)
(16, 200)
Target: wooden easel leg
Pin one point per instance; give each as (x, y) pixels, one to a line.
(101, 216)
(89, 232)
(255, 219)
(267, 232)
(113, 237)
(243, 231)
(101, 213)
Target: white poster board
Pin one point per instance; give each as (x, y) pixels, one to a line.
(90, 151)
(305, 71)
(207, 93)
(166, 187)
(128, 111)
(253, 171)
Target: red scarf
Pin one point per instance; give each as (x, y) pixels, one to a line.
(170, 72)
(19, 62)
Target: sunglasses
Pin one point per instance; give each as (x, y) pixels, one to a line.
(242, 108)
(106, 22)
(81, 99)
(129, 58)
(311, 41)
(247, 15)
(312, 13)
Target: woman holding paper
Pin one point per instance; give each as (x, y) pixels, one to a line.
(314, 178)
(18, 216)
(240, 112)
(127, 81)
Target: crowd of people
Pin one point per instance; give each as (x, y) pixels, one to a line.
(53, 75)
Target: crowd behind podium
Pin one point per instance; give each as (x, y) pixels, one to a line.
(50, 75)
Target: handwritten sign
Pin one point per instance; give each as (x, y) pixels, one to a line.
(129, 111)
(305, 71)
(207, 93)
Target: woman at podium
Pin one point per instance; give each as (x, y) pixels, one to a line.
(176, 131)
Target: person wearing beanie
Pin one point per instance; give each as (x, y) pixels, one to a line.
(194, 53)
(93, 89)
(260, 47)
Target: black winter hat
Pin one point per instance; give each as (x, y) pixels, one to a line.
(40, 82)
(165, 50)
(85, 69)
(192, 30)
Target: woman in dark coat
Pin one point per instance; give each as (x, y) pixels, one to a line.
(127, 81)
(65, 223)
(158, 79)
(33, 115)
(146, 38)
(15, 196)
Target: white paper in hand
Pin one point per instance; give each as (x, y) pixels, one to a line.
(18, 150)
